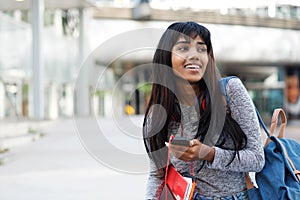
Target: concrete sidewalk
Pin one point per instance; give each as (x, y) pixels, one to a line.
(63, 165)
(58, 167)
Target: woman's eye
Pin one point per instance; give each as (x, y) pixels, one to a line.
(182, 48)
(202, 49)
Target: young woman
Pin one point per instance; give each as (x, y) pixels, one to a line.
(186, 101)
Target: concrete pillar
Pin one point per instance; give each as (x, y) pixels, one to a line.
(69, 100)
(82, 82)
(2, 101)
(108, 109)
(272, 8)
(141, 79)
(19, 97)
(52, 101)
(37, 19)
(95, 105)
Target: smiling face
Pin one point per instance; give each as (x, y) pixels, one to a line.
(189, 58)
(292, 89)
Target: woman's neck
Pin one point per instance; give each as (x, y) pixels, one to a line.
(187, 93)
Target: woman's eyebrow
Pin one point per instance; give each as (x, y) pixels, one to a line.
(201, 43)
(187, 42)
(182, 42)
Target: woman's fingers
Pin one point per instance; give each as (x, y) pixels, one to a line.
(186, 153)
(195, 151)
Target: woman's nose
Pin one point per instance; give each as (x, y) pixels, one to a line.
(193, 54)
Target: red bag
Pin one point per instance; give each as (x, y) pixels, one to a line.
(181, 188)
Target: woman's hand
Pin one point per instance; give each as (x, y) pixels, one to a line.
(195, 151)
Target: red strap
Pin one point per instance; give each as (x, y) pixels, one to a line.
(168, 162)
(203, 104)
(192, 166)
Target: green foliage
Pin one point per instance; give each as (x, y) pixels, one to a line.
(145, 88)
(32, 131)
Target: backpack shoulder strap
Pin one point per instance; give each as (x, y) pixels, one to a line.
(223, 83)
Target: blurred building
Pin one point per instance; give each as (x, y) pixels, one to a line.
(91, 66)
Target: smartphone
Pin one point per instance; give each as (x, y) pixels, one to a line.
(181, 141)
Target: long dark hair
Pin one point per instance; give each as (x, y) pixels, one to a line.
(155, 132)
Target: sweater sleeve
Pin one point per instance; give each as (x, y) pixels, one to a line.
(155, 181)
(251, 158)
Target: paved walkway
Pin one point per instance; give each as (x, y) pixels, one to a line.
(57, 167)
(70, 163)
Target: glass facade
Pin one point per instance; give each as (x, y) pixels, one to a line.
(61, 50)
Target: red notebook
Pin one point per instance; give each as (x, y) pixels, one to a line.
(180, 187)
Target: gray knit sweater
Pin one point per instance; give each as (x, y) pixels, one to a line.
(216, 179)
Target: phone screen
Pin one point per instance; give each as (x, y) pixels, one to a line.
(181, 141)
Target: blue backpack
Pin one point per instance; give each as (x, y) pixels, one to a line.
(280, 177)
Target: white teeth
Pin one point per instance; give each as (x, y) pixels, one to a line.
(192, 67)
